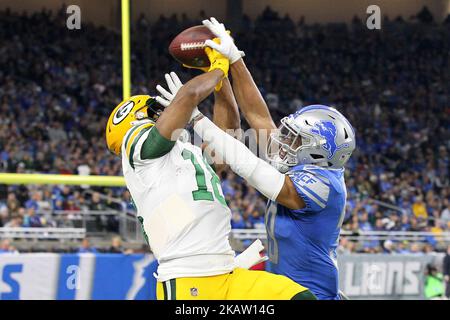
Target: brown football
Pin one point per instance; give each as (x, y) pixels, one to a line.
(188, 46)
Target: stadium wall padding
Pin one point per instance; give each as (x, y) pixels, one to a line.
(86, 276)
(385, 276)
(51, 276)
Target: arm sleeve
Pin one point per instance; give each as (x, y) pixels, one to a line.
(145, 143)
(312, 189)
(259, 174)
(155, 145)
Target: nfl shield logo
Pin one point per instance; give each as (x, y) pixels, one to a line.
(194, 292)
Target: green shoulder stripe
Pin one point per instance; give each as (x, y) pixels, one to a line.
(129, 135)
(133, 146)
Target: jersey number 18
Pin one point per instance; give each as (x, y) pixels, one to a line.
(202, 192)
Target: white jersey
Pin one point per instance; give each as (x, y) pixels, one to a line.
(180, 204)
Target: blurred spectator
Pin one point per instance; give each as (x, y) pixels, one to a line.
(389, 246)
(116, 246)
(104, 222)
(6, 247)
(402, 247)
(345, 246)
(257, 219)
(419, 209)
(15, 222)
(86, 247)
(31, 219)
(445, 215)
(415, 248)
(237, 221)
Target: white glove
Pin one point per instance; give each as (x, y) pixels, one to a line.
(226, 46)
(250, 256)
(174, 83)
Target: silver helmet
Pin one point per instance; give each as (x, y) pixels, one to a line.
(315, 134)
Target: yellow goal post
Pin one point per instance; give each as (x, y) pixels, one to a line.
(66, 179)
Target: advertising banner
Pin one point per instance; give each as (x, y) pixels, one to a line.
(86, 276)
(384, 276)
(77, 276)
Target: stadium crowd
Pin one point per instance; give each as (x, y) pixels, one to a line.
(58, 86)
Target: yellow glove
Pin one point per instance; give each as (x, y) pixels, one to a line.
(204, 69)
(218, 61)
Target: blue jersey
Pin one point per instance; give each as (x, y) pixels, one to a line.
(302, 243)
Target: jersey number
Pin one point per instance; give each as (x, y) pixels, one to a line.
(202, 192)
(271, 214)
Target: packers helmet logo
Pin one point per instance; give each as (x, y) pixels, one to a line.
(122, 112)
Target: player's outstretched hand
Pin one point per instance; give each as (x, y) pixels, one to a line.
(174, 84)
(226, 46)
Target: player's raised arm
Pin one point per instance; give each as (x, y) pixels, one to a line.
(225, 110)
(179, 111)
(225, 115)
(250, 100)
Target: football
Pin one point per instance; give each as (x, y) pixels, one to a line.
(188, 46)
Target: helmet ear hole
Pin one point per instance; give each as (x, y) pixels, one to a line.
(317, 156)
(345, 134)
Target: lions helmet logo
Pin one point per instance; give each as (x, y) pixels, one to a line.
(327, 130)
